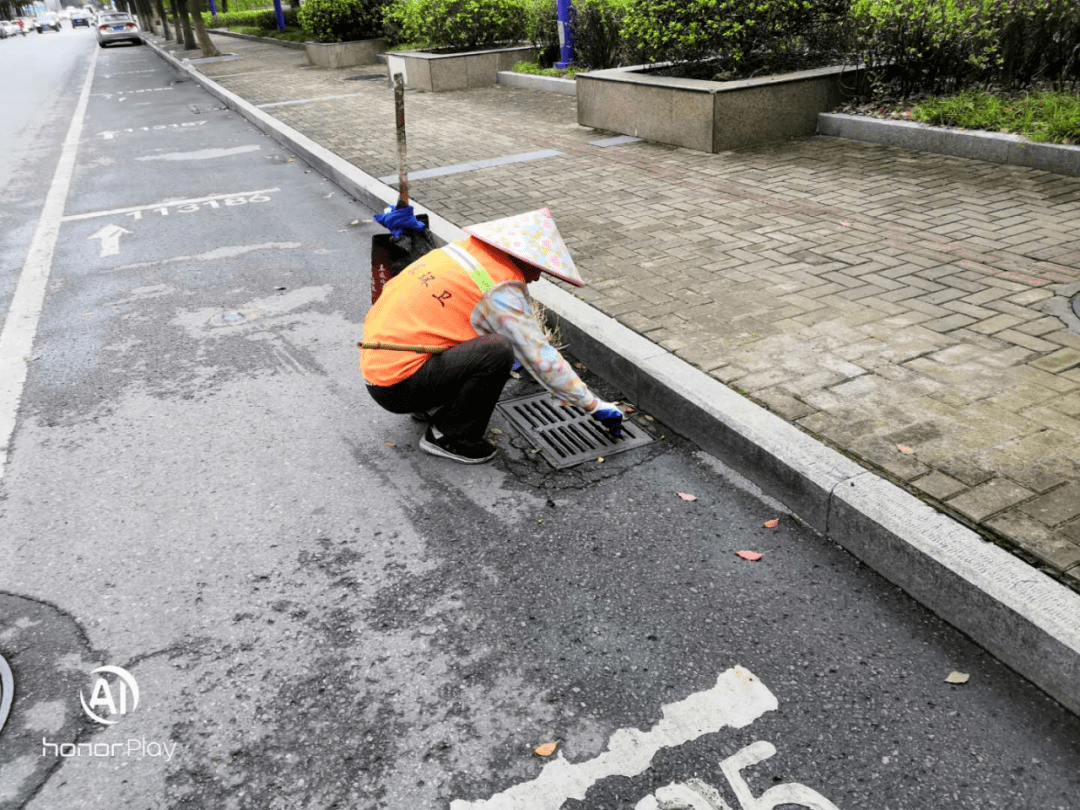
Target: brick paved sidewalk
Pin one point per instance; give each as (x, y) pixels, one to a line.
(891, 303)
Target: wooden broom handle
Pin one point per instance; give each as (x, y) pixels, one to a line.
(401, 347)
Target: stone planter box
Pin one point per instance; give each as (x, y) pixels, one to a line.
(344, 54)
(709, 116)
(437, 72)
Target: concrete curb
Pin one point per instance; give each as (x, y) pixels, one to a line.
(1023, 617)
(993, 147)
(546, 84)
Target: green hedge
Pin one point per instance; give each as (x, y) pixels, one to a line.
(342, 20)
(456, 23)
(597, 27)
(728, 30)
(263, 19)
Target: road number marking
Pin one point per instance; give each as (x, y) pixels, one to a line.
(163, 208)
(193, 207)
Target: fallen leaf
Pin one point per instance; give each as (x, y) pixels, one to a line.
(535, 450)
(846, 224)
(958, 677)
(497, 431)
(391, 444)
(628, 409)
(539, 521)
(771, 524)
(907, 451)
(515, 375)
(599, 459)
(687, 497)
(547, 749)
(649, 418)
(579, 365)
(752, 556)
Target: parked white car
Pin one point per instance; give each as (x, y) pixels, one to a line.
(116, 26)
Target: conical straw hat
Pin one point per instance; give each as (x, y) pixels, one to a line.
(533, 238)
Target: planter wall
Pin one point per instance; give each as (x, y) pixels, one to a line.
(344, 54)
(437, 72)
(709, 116)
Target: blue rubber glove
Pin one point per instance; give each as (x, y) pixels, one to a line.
(610, 417)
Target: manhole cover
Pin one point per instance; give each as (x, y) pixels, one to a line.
(567, 435)
(367, 77)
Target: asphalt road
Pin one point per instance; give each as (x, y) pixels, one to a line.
(310, 613)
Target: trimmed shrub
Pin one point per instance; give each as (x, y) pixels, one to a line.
(935, 46)
(342, 20)
(262, 19)
(456, 23)
(1039, 40)
(542, 29)
(597, 28)
(729, 31)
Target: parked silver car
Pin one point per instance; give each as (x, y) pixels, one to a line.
(116, 26)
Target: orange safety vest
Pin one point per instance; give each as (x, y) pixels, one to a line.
(429, 303)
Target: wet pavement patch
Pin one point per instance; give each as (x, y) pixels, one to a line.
(42, 650)
(566, 435)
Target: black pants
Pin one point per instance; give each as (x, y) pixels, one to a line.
(465, 382)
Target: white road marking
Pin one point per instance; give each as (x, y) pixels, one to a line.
(204, 154)
(17, 339)
(737, 700)
(169, 204)
(110, 134)
(216, 254)
(110, 239)
(307, 100)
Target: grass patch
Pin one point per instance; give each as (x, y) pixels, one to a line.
(1047, 117)
(534, 69)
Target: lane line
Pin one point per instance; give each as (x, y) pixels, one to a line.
(166, 204)
(20, 328)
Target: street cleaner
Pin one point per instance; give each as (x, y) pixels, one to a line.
(465, 314)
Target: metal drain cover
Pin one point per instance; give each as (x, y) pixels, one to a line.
(567, 435)
(366, 77)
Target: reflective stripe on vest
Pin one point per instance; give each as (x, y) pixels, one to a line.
(481, 278)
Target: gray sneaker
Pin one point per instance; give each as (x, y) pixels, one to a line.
(465, 452)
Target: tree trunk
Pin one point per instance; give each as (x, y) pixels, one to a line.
(146, 16)
(207, 45)
(185, 25)
(164, 19)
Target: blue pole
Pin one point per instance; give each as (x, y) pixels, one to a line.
(565, 9)
(280, 15)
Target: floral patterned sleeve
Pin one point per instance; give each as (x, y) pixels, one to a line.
(507, 310)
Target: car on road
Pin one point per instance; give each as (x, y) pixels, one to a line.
(116, 26)
(46, 22)
(80, 18)
(6, 29)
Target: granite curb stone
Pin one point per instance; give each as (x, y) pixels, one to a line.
(1031, 631)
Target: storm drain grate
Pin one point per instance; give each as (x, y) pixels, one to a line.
(367, 77)
(567, 435)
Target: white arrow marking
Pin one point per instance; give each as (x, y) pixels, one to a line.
(110, 239)
(737, 700)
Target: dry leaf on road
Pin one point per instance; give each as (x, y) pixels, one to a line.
(547, 749)
(907, 451)
(958, 677)
(687, 497)
(771, 524)
(752, 556)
